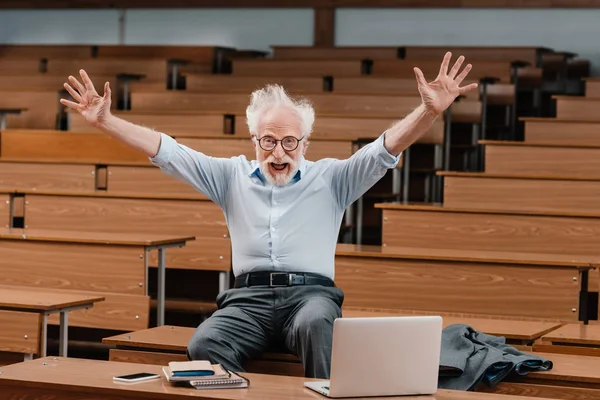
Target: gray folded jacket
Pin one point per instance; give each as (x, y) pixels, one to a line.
(469, 357)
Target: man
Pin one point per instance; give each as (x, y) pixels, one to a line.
(283, 213)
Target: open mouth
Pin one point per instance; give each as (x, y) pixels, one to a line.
(279, 167)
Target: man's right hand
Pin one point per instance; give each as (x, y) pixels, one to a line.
(93, 107)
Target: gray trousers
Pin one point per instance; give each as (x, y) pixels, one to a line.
(250, 321)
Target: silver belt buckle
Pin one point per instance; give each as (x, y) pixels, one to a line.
(275, 274)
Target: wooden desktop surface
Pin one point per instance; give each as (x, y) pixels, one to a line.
(54, 378)
(13, 297)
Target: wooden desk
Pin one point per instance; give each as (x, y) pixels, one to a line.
(22, 299)
(571, 339)
(67, 378)
(146, 242)
(5, 111)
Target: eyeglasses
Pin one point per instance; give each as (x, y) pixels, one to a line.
(288, 143)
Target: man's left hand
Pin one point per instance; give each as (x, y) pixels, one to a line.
(439, 94)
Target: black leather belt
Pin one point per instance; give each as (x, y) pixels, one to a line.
(281, 279)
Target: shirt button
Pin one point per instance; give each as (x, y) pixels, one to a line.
(272, 229)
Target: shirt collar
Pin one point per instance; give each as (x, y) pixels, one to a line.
(255, 171)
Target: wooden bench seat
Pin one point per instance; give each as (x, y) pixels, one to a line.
(592, 88)
(546, 158)
(336, 53)
(175, 124)
(153, 70)
(434, 226)
(298, 68)
(47, 176)
(467, 282)
(562, 131)
(571, 339)
(135, 213)
(105, 255)
(236, 103)
(571, 377)
(41, 107)
(169, 343)
(26, 312)
(65, 146)
(577, 107)
(537, 193)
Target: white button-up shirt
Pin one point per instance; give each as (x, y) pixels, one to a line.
(291, 228)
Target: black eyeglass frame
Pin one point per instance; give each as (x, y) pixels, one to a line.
(277, 142)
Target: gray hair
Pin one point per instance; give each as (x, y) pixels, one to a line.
(276, 96)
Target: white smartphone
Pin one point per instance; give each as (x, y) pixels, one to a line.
(138, 377)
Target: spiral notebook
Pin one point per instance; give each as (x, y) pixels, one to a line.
(235, 381)
(230, 381)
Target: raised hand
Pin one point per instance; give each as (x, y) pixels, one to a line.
(93, 107)
(440, 93)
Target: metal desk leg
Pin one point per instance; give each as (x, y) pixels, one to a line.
(64, 334)
(583, 297)
(162, 261)
(223, 281)
(44, 337)
(3, 122)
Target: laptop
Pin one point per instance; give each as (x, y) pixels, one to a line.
(383, 356)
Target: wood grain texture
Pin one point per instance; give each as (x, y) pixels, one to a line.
(20, 332)
(154, 70)
(144, 357)
(41, 108)
(431, 68)
(537, 159)
(66, 146)
(562, 132)
(328, 103)
(544, 347)
(199, 218)
(247, 84)
(592, 88)
(479, 53)
(146, 180)
(480, 192)
(496, 232)
(568, 369)
(324, 26)
(166, 337)
(574, 261)
(73, 266)
(530, 391)
(32, 176)
(70, 378)
(22, 298)
(574, 107)
(512, 330)
(335, 53)
(173, 125)
(118, 311)
(193, 54)
(456, 287)
(5, 210)
(137, 240)
(575, 333)
(297, 68)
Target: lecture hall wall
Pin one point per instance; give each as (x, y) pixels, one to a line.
(576, 30)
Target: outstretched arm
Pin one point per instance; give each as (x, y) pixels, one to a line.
(96, 110)
(436, 96)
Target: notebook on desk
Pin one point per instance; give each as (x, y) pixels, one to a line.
(235, 381)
